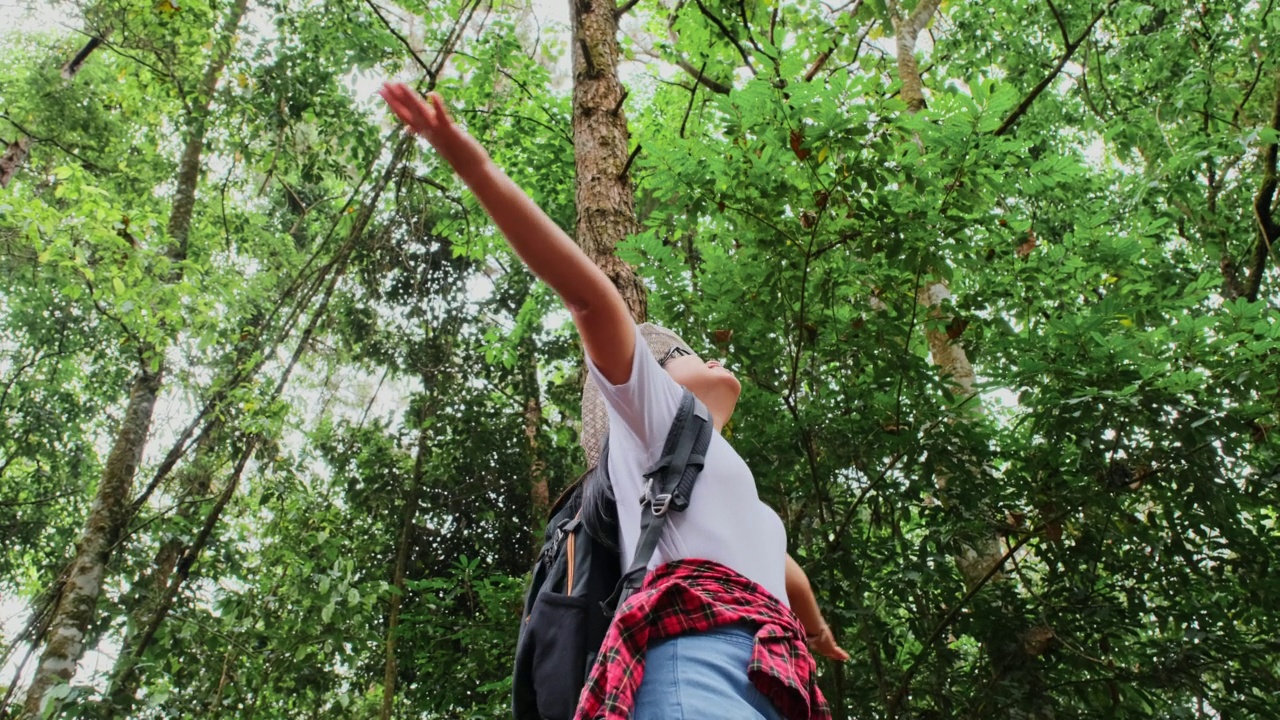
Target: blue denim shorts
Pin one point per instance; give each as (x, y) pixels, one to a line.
(702, 677)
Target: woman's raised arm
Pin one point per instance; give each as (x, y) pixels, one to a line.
(595, 304)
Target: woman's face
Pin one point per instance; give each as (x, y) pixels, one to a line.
(709, 381)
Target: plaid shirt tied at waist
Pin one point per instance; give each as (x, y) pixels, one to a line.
(691, 596)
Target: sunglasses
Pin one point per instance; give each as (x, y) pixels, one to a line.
(673, 353)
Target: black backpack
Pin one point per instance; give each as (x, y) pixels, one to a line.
(578, 581)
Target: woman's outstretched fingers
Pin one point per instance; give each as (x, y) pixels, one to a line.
(401, 104)
(429, 118)
(437, 104)
(412, 109)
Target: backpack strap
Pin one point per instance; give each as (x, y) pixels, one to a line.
(670, 484)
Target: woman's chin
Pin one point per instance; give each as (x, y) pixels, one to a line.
(731, 384)
(721, 397)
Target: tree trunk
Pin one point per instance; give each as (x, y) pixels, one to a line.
(947, 354)
(906, 30)
(184, 199)
(126, 670)
(979, 563)
(605, 198)
(64, 645)
(539, 488)
(195, 481)
(77, 608)
(175, 576)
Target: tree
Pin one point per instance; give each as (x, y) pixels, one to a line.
(76, 606)
(605, 198)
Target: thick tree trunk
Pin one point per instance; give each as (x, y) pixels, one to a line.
(64, 645)
(906, 30)
(605, 198)
(76, 610)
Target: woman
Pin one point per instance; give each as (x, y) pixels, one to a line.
(719, 629)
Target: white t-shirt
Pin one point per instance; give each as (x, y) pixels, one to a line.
(726, 522)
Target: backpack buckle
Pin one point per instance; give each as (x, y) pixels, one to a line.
(658, 504)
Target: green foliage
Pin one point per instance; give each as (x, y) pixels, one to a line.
(478, 653)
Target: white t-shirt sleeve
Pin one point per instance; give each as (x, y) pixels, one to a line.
(645, 405)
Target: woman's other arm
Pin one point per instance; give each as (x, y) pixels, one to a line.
(805, 605)
(597, 308)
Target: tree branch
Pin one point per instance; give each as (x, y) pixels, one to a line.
(630, 159)
(1244, 99)
(699, 76)
(557, 131)
(724, 30)
(451, 42)
(818, 62)
(905, 685)
(403, 41)
(923, 13)
(746, 25)
(30, 136)
(70, 69)
(702, 79)
(519, 83)
(1025, 105)
(158, 70)
(693, 92)
(1062, 25)
(1268, 228)
(824, 56)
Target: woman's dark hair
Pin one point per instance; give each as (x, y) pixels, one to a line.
(599, 508)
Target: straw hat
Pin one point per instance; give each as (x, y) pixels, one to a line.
(595, 416)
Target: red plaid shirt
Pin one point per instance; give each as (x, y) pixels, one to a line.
(691, 596)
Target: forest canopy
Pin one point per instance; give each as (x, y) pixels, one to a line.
(281, 416)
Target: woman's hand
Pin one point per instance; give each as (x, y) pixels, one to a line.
(428, 118)
(805, 606)
(824, 644)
